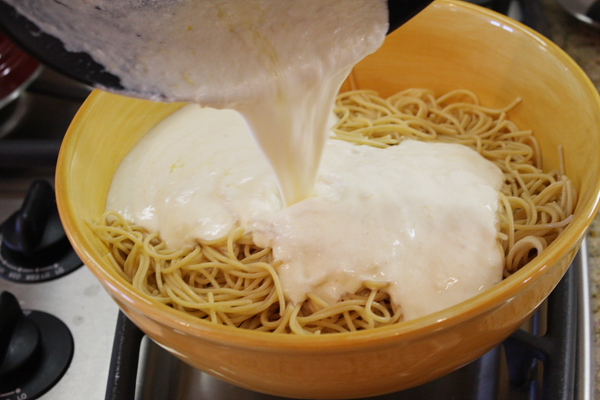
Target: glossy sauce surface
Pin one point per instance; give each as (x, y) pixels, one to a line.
(419, 216)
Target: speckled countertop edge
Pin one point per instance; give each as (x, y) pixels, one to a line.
(582, 43)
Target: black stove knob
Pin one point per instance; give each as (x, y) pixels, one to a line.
(19, 337)
(33, 243)
(36, 349)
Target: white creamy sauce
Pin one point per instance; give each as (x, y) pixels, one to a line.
(420, 216)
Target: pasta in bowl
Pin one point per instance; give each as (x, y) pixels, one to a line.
(491, 64)
(232, 280)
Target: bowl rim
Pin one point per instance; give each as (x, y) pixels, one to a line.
(452, 316)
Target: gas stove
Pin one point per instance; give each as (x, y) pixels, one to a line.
(104, 356)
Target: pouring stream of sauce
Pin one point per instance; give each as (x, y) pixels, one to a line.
(279, 63)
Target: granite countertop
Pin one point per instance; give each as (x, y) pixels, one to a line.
(582, 43)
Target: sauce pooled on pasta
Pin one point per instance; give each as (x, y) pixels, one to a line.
(420, 216)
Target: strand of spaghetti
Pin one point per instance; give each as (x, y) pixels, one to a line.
(213, 242)
(182, 292)
(116, 267)
(486, 110)
(497, 130)
(531, 172)
(372, 317)
(358, 115)
(523, 248)
(128, 259)
(262, 285)
(428, 128)
(158, 277)
(294, 323)
(549, 193)
(554, 212)
(337, 308)
(191, 257)
(267, 267)
(284, 320)
(140, 275)
(559, 224)
(509, 153)
(449, 117)
(531, 209)
(370, 105)
(456, 93)
(384, 140)
(516, 176)
(212, 313)
(379, 313)
(349, 321)
(403, 130)
(191, 294)
(360, 141)
(509, 223)
(321, 326)
(225, 320)
(208, 274)
(419, 127)
(535, 183)
(122, 234)
(223, 306)
(256, 255)
(411, 106)
(477, 125)
(234, 234)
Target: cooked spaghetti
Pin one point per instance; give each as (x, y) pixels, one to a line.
(231, 281)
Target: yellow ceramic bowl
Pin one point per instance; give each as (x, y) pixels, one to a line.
(450, 45)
